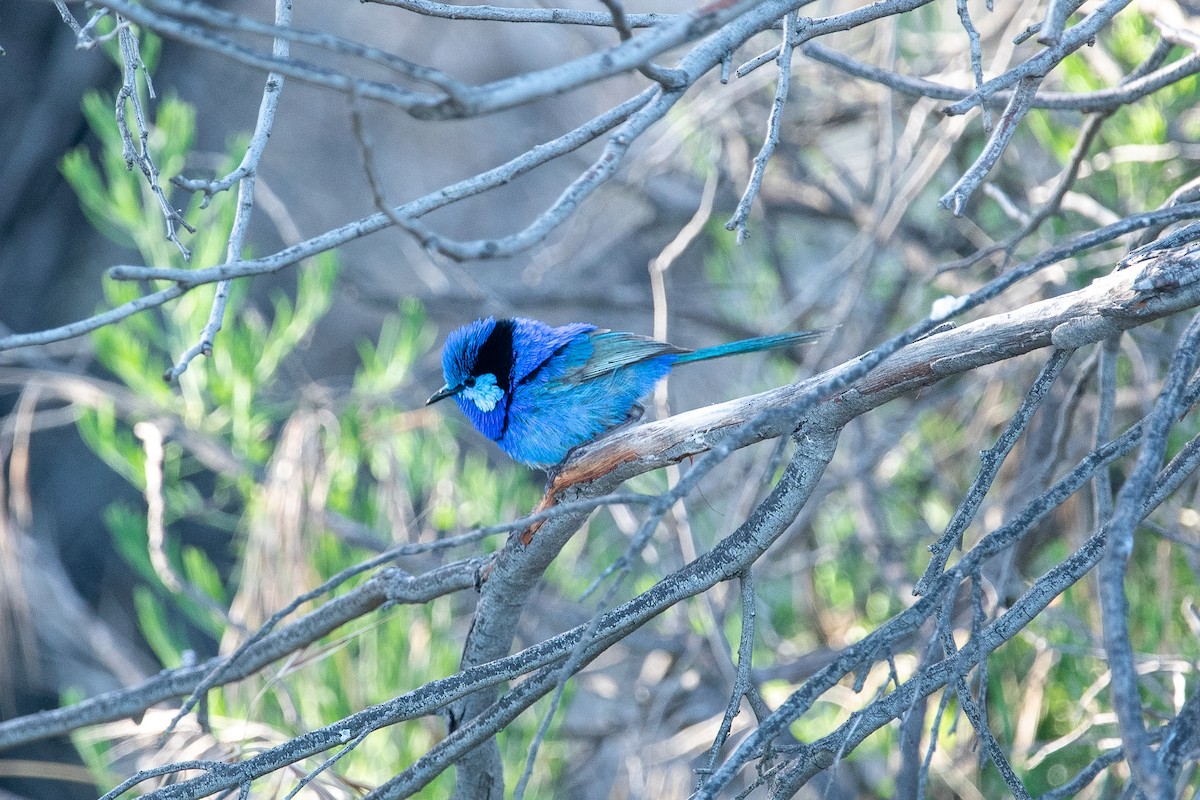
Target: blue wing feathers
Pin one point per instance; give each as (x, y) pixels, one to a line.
(612, 350)
(540, 343)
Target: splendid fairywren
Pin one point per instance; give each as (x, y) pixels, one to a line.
(539, 391)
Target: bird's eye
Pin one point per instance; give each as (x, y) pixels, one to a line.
(469, 382)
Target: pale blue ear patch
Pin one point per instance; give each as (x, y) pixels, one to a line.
(484, 393)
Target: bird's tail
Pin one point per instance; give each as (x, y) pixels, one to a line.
(773, 342)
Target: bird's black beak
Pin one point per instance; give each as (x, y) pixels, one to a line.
(443, 393)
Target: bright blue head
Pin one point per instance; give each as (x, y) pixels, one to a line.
(477, 363)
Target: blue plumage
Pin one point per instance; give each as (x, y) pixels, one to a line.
(539, 391)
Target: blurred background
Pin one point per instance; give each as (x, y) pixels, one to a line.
(302, 445)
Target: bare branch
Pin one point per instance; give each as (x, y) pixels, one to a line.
(470, 187)
(73, 329)
(244, 176)
(1056, 19)
(139, 154)
(81, 35)
(667, 78)
(282, 30)
(1128, 509)
(741, 686)
(992, 460)
(1140, 85)
(1039, 65)
(956, 199)
(790, 34)
(749, 18)
(564, 16)
(964, 16)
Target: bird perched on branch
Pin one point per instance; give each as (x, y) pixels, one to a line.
(539, 391)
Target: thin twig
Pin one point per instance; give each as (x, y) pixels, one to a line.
(1066, 179)
(574, 663)
(1106, 377)
(667, 78)
(741, 684)
(326, 764)
(155, 772)
(1136, 86)
(224, 666)
(956, 199)
(338, 236)
(219, 18)
(82, 36)
(499, 95)
(470, 187)
(156, 530)
(139, 154)
(964, 16)
(1078, 36)
(244, 176)
(104, 318)
(1052, 25)
(992, 460)
(737, 223)
(485, 13)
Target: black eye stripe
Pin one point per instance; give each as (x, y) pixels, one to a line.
(496, 354)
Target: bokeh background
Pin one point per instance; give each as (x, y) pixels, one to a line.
(302, 445)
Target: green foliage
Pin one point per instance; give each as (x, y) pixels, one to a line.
(396, 470)
(1126, 173)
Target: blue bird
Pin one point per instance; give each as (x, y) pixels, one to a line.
(539, 391)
